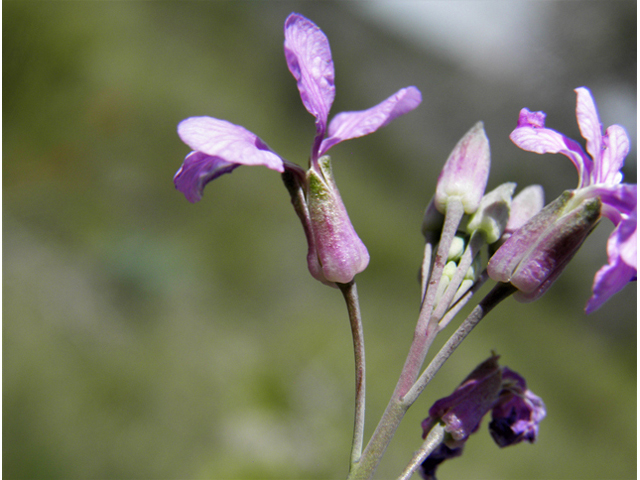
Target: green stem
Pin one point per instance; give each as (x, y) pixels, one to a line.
(435, 438)
(424, 334)
(350, 294)
(493, 298)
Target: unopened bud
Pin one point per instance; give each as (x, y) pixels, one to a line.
(535, 255)
(493, 213)
(337, 253)
(466, 171)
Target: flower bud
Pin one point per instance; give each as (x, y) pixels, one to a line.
(336, 253)
(466, 171)
(535, 255)
(493, 213)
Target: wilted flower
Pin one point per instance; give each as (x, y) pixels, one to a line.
(516, 412)
(336, 253)
(599, 179)
(462, 411)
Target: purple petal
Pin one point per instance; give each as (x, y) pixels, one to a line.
(616, 148)
(622, 266)
(196, 171)
(627, 240)
(531, 135)
(618, 201)
(308, 56)
(589, 123)
(347, 125)
(228, 142)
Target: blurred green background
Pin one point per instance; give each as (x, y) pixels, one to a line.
(147, 337)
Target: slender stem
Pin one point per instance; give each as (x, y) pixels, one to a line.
(493, 298)
(435, 437)
(424, 270)
(424, 334)
(350, 293)
(475, 243)
(463, 300)
(426, 331)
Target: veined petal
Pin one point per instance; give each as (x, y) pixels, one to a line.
(306, 49)
(589, 123)
(622, 265)
(228, 142)
(197, 170)
(347, 125)
(616, 147)
(531, 135)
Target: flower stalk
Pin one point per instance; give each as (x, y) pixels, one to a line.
(350, 293)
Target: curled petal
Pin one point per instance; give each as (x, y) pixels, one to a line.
(531, 135)
(197, 170)
(618, 201)
(531, 119)
(589, 122)
(306, 49)
(616, 148)
(228, 142)
(347, 125)
(622, 267)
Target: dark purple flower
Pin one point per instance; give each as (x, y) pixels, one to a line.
(599, 177)
(462, 411)
(518, 412)
(336, 253)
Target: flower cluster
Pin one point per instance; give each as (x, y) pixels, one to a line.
(529, 244)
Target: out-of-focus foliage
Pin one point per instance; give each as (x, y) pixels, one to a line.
(146, 337)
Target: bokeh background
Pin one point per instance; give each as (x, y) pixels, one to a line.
(147, 337)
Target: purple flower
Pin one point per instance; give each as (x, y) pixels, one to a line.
(336, 253)
(599, 177)
(518, 412)
(462, 411)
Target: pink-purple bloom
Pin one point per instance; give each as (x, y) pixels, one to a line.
(599, 177)
(336, 253)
